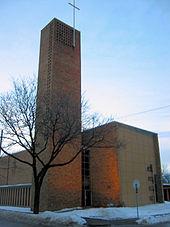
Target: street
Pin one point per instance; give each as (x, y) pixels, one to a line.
(6, 223)
(156, 225)
(10, 223)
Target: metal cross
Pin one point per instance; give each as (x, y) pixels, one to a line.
(74, 21)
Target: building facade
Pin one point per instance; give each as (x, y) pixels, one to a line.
(100, 176)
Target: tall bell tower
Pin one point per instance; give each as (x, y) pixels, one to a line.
(60, 77)
(59, 63)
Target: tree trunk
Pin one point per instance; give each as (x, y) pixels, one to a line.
(36, 206)
(38, 180)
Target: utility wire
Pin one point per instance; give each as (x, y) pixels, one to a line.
(145, 111)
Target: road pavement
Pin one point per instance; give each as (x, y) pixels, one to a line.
(6, 223)
(10, 223)
(92, 222)
(155, 225)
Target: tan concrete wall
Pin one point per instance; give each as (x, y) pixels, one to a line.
(13, 171)
(137, 154)
(64, 184)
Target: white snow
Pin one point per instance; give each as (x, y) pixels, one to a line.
(149, 214)
(18, 209)
(65, 218)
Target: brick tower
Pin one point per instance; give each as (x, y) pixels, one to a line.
(59, 79)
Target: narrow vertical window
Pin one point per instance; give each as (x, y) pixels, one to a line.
(86, 190)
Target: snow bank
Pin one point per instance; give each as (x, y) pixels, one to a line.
(67, 218)
(154, 219)
(106, 213)
(149, 214)
(18, 209)
(48, 218)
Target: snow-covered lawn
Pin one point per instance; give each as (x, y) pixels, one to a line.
(75, 217)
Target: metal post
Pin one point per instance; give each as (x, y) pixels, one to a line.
(137, 205)
(136, 186)
(7, 176)
(1, 141)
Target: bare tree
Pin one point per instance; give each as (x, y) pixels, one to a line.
(165, 175)
(44, 129)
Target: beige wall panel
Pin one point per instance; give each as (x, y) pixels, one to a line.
(15, 172)
(134, 158)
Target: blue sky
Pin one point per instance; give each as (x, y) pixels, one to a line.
(125, 55)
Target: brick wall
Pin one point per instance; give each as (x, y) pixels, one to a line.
(104, 169)
(59, 83)
(13, 171)
(105, 182)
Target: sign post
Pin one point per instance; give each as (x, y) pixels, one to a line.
(1, 140)
(136, 186)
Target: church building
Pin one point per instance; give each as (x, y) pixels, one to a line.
(100, 176)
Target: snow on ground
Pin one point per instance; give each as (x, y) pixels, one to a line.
(18, 209)
(149, 214)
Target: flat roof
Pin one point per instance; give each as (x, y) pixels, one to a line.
(139, 130)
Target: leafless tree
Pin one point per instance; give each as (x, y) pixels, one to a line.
(165, 174)
(44, 128)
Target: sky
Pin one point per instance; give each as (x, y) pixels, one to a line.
(125, 58)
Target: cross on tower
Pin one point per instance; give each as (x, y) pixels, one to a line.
(74, 21)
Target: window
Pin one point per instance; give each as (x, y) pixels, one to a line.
(86, 191)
